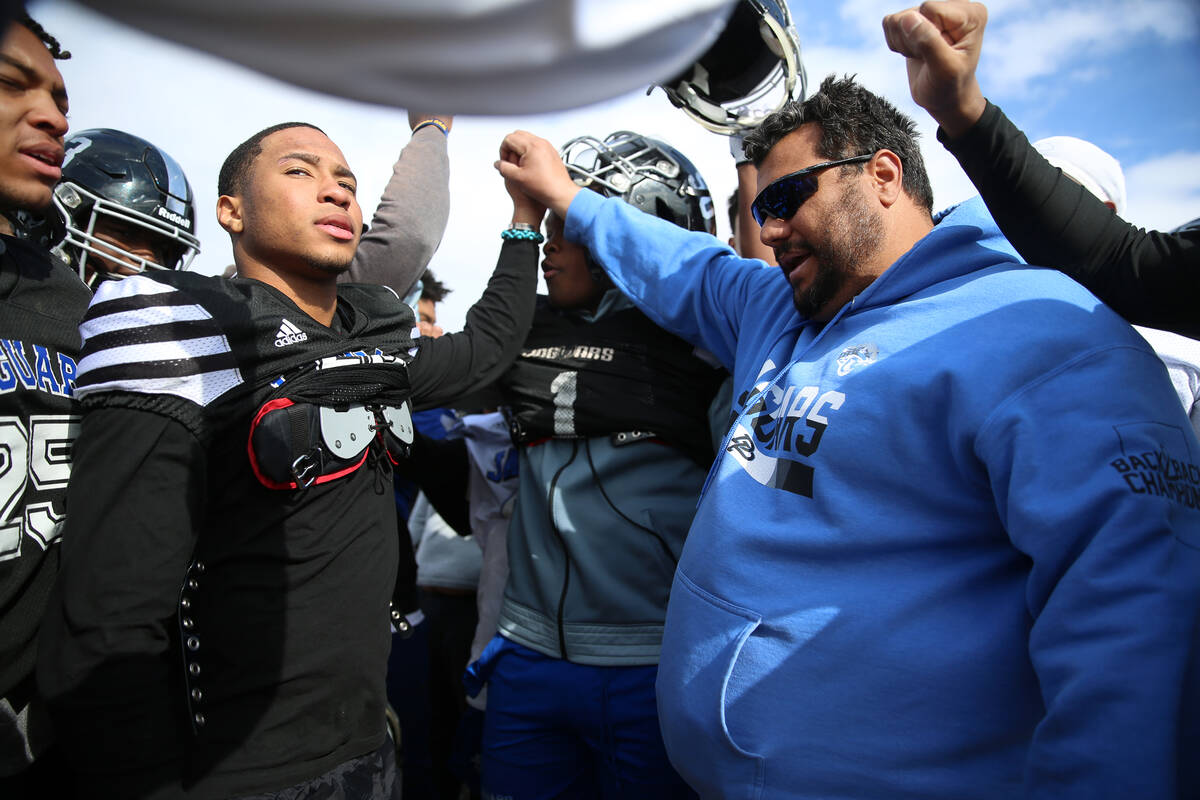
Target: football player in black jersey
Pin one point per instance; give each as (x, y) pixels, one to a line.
(611, 417)
(221, 624)
(41, 302)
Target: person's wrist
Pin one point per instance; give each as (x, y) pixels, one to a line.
(561, 200)
(432, 122)
(958, 119)
(737, 149)
(522, 232)
(527, 215)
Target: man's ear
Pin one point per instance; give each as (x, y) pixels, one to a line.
(887, 176)
(229, 214)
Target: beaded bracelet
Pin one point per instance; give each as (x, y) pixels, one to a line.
(437, 123)
(522, 234)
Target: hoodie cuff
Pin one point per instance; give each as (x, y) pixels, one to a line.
(581, 213)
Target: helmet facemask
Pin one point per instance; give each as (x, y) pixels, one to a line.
(752, 69)
(81, 210)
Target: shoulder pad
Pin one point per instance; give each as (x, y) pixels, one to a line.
(146, 335)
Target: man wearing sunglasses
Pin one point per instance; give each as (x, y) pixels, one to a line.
(951, 546)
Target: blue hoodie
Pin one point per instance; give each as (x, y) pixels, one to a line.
(951, 546)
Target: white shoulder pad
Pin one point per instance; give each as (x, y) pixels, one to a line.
(143, 336)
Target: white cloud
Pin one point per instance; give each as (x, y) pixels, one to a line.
(1029, 43)
(866, 16)
(1027, 39)
(1163, 192)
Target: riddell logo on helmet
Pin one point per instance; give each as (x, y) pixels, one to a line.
(178, 219)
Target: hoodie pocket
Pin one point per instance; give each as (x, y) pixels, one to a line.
(704, 637)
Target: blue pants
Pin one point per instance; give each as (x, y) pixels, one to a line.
(554, 729)
(408, 694)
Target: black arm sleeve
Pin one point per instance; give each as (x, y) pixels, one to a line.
(439, 467)
(1150, 278)
(108, 660)
(452, 365)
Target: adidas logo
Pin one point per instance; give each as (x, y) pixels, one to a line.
(289, 334)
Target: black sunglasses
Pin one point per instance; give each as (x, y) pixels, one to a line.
(785, 195)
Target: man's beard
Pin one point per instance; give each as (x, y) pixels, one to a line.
(333, 265)
(854, 233)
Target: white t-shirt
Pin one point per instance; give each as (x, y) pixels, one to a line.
(1182, 357)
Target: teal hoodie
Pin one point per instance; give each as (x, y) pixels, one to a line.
(951, 546)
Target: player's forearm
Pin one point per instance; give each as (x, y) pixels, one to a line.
(1147, 277)
(411, 217)
(496, 326)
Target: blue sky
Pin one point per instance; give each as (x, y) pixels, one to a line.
(1124, 74)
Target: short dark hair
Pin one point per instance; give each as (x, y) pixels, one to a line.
(432, 289)
(52, 44)
(853, 121)
(232, 178)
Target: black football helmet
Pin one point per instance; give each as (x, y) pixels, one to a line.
(1187, 227)
(646, 173)
(114, 178)
(756, 55)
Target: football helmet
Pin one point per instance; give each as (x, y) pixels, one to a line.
(133, 191)
(1187, 227)
(730, 88)
(646, 173)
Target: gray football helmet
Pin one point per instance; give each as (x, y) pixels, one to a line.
(732, 86)
(647, 173)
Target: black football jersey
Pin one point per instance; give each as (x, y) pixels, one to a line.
(41, 302)
(280, 579)
(216, 613)
(617, 374)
